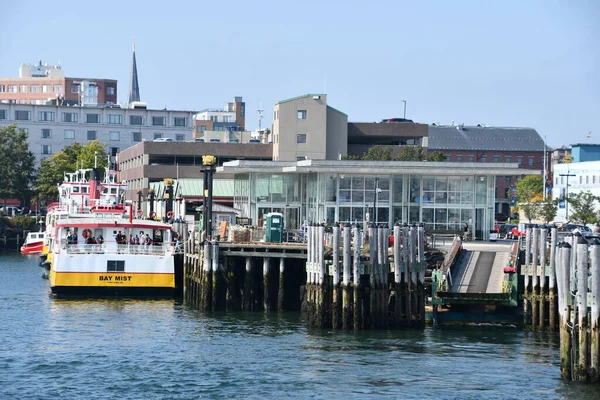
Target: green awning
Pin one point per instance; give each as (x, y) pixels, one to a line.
(195, 187)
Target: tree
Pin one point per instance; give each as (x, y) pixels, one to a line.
(582, 207)
(71, 158)
(436, 156)
(17, 167)
(530, 210)
(530, 187)
(412, 153)
(378, 153)
(547, 210)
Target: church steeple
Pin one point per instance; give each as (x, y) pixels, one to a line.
(134, 88)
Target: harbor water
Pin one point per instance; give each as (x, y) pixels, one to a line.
(160, 349)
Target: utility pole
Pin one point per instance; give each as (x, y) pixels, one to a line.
(545, 176)
(404, 101)
(567, 195)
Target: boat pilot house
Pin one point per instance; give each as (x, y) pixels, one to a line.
(442, 195)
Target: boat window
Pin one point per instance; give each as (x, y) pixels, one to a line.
(113, 191)
(84, 189)
(115, 266)
(75, 189)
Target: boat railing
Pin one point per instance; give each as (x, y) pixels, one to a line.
(155, 249)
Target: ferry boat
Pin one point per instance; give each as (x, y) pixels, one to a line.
(34, 243)
(98, 245)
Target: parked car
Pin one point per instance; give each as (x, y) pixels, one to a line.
(233, 141)
(253, 141)
(11, 210)
(197, 140)
(215, 140)
(164, 139)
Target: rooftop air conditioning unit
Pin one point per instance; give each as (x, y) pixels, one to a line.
(316, 97)
(139, 105)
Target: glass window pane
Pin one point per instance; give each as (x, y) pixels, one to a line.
(345, 182)
(358, 183)
(441, 197)
(428, 183)
(415, 189)
(345, 214)
(427, 215)
(441, 184)
(466, 198)
(345, 196)
(397, 189)
(454, 198)
(383, 214)
(370, 183)
(467, 184)
(441, 216)
(358, 214)
(428, 197)
(384, 183)
(453, 184)
(357, 196)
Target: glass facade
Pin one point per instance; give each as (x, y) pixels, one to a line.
(440, 202)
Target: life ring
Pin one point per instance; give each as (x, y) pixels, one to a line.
(86, 233)
(152, 214)
(170, 214)
(140, 213)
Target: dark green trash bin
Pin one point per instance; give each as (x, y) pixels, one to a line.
(274, 227)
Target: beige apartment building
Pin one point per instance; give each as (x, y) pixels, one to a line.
(305, 127)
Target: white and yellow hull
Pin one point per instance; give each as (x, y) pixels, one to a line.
(86, 274)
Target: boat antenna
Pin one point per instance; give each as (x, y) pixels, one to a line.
(95, 159)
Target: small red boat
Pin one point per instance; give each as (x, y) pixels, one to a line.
(34, 243)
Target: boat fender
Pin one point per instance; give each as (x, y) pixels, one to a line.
(152, 214)
(86, 233)
(140, 213)
(170, 214)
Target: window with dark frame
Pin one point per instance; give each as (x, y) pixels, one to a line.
(115, 266)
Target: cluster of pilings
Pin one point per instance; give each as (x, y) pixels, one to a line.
(257, 277)
(578, 279)
(359, 285)
(539, 283)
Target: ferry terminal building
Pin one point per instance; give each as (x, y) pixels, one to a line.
(442, 195)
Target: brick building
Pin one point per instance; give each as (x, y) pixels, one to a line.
(36, 84)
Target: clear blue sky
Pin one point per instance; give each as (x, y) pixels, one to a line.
(529, 63)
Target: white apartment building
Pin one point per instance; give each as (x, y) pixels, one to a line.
(50, 128)
(572, 178)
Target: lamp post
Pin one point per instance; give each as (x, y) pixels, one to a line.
(567, 195)
(404, 101)
(377, 191)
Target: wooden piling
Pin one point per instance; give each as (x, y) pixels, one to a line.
(595, 311)
(373, 276)
(216, 277)
(347, 288)
(397, 315)
(336, 306)
(357, 295)
(582, 309)
(248, 296)
(533, 294)
(265, 277)
(206, 284)
(552, 323)
(543, 288)
(563, 282)
(281, 291)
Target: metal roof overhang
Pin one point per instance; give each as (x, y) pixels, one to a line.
(376, 167)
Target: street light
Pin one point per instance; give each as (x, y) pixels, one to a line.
(377, 191)
(404, 101)
(567, 195)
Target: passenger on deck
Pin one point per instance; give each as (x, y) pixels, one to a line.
(100, 239)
